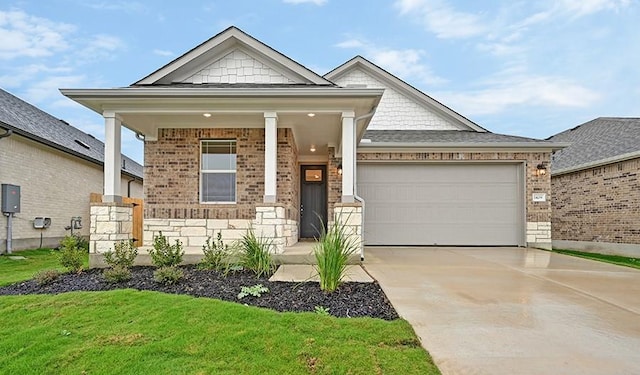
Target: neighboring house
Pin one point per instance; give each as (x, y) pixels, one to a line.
(237, 134)
(596, 187)
(57, 167)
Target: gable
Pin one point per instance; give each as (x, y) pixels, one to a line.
(397, 111)
(233, 57)
(404, 107)
(238, 67)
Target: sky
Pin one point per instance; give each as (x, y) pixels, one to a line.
(528, 68)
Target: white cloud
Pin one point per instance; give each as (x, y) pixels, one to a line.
(123, 6)
(25, 35)
(295, 2)
(580, 8)
(98, 48)
(510, 89)
(162, 52)
(22, 74)
(405, 63)
(442, 19)
(46, 90)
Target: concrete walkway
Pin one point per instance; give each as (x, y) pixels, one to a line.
(514, 310)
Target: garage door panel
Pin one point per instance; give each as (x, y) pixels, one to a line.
(442, 204)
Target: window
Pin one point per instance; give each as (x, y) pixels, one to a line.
(218, 171)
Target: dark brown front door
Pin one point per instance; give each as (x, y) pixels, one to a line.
(313, 200)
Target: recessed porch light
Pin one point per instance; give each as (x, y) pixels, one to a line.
(311, 114)
(206, 114)
(313, 148)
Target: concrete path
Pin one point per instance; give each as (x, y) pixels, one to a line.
(514, 310)
(306, 272)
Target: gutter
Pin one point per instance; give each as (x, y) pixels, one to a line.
(194, 92)
(7, 133)
(355, 180)
(462, 145)
(597, 163)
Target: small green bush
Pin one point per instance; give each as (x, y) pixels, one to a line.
(168, 275)
(321, 310)
(123, 256)
(255, 255)
(332, 253)
(164, 254)
(117, 274)
(70, 254)
(46, 277)
(217, 255)
(255, 290)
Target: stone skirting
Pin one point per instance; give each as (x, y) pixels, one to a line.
(270, 222)
(539, 234)
(110, 223)
(349, 214)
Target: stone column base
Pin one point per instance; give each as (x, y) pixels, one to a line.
(110, 223)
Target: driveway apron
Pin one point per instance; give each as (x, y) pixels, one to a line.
(514, 310)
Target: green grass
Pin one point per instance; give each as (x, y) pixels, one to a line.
(614, 259)
(134, 332)
(12, 271)
(140, 332)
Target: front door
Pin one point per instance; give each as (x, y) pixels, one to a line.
(313, 200)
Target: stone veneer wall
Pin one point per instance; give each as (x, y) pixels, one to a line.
(334, 183)
(600, 204)
(538, 214)
(350, 215)
(172, 174)
(270, 222)
(110, 223)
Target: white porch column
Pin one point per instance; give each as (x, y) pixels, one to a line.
(348, 156)
(270, 156)
(112, 158)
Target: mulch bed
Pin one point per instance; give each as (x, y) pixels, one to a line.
(351, 299)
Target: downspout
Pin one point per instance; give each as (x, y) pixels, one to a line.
(8, 132)
(129, 187)
(355, 179)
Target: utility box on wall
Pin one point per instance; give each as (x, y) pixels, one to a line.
(10, 198)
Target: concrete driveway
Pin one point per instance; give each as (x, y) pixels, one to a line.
(514, 310)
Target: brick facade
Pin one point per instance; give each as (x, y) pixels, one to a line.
(600, 204)
(538, 214)
(172, 174)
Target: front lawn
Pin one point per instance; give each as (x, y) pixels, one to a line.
(133, 332)
(12, 271)
(128, 331)
(614, 259)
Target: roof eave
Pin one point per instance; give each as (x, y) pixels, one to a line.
(596, 163)
(379, 146)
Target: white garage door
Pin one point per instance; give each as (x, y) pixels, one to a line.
(442, 204)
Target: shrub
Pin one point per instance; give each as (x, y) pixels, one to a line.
(332, 253)
(117, 274)
(82, 242)
(46, 277)
(168, 275)
(255, 291)
(321, 310)
(164, 254)
(217, 255)
(123, 256)
(70, 254)
(254, 254)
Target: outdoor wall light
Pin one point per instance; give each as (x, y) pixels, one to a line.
(541, 169)
(313, 148)
(340, 169)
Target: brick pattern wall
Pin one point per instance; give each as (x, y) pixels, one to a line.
(599, 204)
(53, 184)
(237, 67)
(334, 183)
(396, 111)
(172, 174)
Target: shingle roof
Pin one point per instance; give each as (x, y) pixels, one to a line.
(445, 136)
(33, 123)
(599, 140)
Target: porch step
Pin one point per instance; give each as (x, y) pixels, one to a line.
(302, 253)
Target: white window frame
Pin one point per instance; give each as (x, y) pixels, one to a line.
(213, 171)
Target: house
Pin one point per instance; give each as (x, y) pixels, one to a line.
(56, 167)
(238, 135)
(596, 187)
